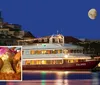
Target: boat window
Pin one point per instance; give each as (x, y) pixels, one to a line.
(35, 61)
(32, 62)
(70, 51)
(76, 60)
(74, 51)
(59, 51)
(48, 62)
(71, 61)
(43, 51)
(54, 51)
(39, 62)
(81, 60)
(32, 52)
(65, 51)
(81, 51)
(78, 51)
(39, 52)
(59, 61)
(27, 62)
(43, 61)
(36, 51)
(27, 52)
(47, 52)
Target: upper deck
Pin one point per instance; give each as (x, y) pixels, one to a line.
(48, 51)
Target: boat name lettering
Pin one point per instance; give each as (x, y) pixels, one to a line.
(81, 64)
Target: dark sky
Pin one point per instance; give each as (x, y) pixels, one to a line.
(45, 17)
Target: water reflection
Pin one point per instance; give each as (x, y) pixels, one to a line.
(95, 79)
(58, 78)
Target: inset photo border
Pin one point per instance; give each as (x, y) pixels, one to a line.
(11, 63)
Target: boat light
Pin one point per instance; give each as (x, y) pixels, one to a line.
(66, 56)
(44, 45)
(59, 37)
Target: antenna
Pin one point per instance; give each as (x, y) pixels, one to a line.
(57, 31)
(1, 19)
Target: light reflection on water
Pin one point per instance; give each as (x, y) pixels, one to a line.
(59, 78)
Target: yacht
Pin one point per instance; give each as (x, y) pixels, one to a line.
(56, 55)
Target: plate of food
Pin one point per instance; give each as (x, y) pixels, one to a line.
(10, 63)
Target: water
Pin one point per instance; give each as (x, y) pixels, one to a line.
(58, 78)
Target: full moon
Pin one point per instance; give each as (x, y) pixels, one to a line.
(92, 13)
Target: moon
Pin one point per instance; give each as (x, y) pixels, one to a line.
(92, 13)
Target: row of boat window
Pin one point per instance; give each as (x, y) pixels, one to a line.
(50, 51)
(47, 62)
(44, 62)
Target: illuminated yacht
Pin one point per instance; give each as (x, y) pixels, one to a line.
(56, 55)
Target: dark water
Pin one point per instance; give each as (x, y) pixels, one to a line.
(58, 78)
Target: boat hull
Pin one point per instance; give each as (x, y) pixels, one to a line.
(87, 65)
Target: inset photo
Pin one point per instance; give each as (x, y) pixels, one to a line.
(10, 63)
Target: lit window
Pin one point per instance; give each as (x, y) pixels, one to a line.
(65, 51)
(48, 51)
(43, 61)
(32, 62)
(59, 51)
(59, 61)
(31, 52)
(43, 51)
(53, 61)
(39, 61)
(48, 62)
(27, 62)
(70, 61)
(76, 60)
(54, 51)
(39, 52)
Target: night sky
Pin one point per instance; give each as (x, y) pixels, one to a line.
(45, 17)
